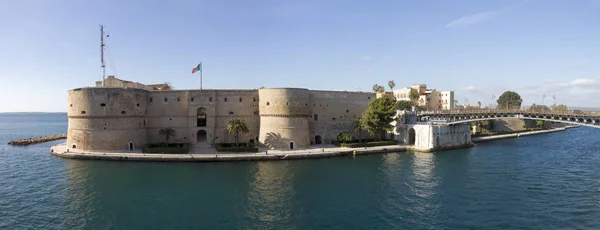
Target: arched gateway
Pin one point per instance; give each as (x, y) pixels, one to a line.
(201, 136)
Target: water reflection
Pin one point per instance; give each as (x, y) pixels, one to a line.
(269, 201)
(423, 185)
(78, 203)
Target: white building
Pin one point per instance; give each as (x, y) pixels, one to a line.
(430, 98)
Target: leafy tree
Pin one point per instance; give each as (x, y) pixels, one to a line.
(479, 104)
(377, 118)
(358, 127)
(404, 105)
(237, 126)
(414, 94)
(538, 108)
(391, 84)
(167, 133)
(344, 137)
(560, 108)
(509, 100)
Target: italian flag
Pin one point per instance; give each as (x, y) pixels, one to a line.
(197, 68)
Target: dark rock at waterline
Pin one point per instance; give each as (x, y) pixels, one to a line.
(35, 140)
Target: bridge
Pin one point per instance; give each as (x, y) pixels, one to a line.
(452, 117)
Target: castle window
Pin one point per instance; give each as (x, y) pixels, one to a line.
(255, 112)
(138, 104)
(230, 113)
(316, 117)
(240, 99)
(102, 105)
(166, 99)
(333, 118)
(144, 123)
(74, 146)
(210, 99)
(225, 99)
(82, 112)
(347, 111)
(170, 119)
(268, 103)
(306, 104)
(254, 99)
(369, 98)
(192, 99)
(150, 99)
(71, 105)
(178, 100)
(122, 112)
(314, 105)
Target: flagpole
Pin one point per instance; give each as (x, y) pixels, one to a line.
(200, 75)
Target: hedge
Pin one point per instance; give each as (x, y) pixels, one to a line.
(176, 148)
(237, 149)
(368, 144)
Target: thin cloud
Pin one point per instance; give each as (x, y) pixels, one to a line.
(473, 19)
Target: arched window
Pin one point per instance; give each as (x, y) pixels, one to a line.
(316, 117)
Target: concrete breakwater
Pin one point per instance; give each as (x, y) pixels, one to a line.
(515, 135)
(35, 140)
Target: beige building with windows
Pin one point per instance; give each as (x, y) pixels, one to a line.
(430, 98)
(124, 115)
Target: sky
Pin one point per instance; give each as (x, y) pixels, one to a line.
(479, 49)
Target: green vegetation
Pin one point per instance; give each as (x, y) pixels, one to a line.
(167, 133)
(391, 84)
(358, 127)
(377, 118)
(414, 95)
(173, 148)
(538, 108)
(560, 108)
(368, 144)
(540, 124)
(404, 105)
(378, 89)
(345, 137)
(236, 147)
(509, 100)
(236, 126)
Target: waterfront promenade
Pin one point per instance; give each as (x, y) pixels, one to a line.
(211, 155)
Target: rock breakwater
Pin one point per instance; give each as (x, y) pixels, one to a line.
(35, 140)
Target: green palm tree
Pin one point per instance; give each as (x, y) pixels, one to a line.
(167, 133)
(391, 84)
(414, 94)
(376, 88)
(237, 126)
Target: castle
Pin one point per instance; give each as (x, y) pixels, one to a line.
(125, 115)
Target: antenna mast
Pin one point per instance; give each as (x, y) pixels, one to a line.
(102, 53)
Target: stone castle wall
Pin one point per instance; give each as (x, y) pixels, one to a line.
(112, 118)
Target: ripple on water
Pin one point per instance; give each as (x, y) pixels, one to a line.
(534, 182)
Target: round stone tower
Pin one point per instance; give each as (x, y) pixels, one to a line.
(284, 118)
(106, 118)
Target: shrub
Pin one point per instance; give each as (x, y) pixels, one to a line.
(228, 147)
(173, 148)
(344, 137)
(368, 144)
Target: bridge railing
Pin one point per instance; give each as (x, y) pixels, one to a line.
(509, 111)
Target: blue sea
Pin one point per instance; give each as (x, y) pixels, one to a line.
(549, 181)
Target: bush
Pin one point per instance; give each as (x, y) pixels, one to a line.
(344, 137)
(368, 144)
(173, 148)
(237, 149)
